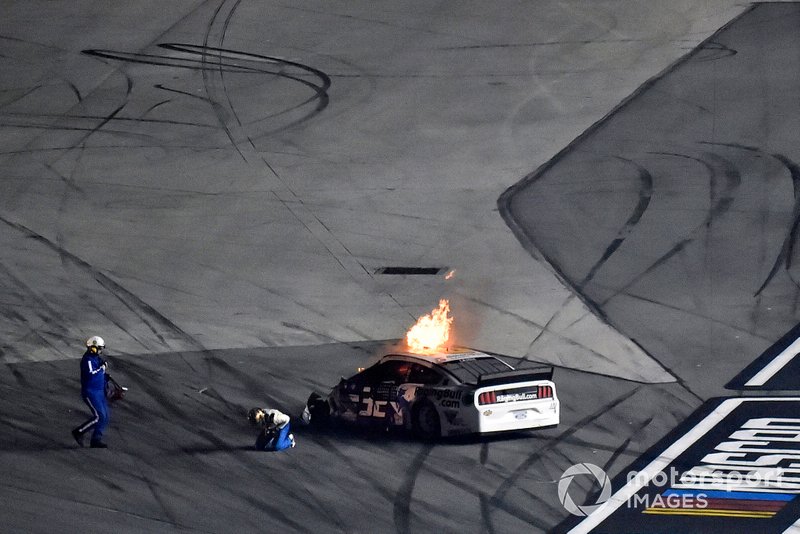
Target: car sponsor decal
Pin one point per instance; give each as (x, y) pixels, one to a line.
(735, 470)
(446, 398)
(514, 395)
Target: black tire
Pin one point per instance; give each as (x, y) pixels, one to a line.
(425, 422)
(320, 411)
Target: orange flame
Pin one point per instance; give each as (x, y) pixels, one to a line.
(431, 332)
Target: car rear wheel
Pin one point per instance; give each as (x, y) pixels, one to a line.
(425, 422)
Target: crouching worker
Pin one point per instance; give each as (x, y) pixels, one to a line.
(274, 434)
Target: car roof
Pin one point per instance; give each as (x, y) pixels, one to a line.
(440, 357)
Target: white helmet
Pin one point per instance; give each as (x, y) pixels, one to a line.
(96, 341)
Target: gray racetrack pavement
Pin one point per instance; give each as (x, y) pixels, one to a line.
(211, 187)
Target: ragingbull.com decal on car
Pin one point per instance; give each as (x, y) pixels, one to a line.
(446, 398)
(517, 394)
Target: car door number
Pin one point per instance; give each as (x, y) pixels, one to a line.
(373, 408)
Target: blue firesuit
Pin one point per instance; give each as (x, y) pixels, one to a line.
(93, 392)
(275, 435)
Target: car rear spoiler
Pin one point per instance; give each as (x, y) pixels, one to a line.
(519, 375)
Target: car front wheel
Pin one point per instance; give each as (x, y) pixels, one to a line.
(425, 422)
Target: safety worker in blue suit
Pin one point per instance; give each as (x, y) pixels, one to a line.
(93, 392)
(274, 435)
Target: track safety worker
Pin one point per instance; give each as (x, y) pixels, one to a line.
(93, 392)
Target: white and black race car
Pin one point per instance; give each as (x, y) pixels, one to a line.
(442, 394)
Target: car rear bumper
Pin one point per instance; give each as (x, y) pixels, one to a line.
(501, 419)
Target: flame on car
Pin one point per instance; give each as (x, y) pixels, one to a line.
(431, 331)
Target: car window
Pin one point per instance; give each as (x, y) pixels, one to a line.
(394, 371)
(420, 374)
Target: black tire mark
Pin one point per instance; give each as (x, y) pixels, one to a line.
(91, 131)
(402, 501)
(720, 204)
(207, 85)
(179, 92)
(787, 249)
(154, 106)
(73, 500)
(328, 446)
(143, 310)
(505, 203)
(56, 319)
(645, 194)
(713, 51)
(114, 119)
(263, 505)
(21, 380)
(21, 96)
(152, 486)
(486, 514)
(543, 328)
(511, 480)
(515, 511)
(76, 91)
(722, 200)
(255, 387)
(319, 89)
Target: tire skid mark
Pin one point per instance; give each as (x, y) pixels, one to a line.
(41, 304)
(645, 195)
(785, 255)
(329, 446)
(91, 131)
(330, 511)
(91, 505)
(275, 293)
(138, 377)
(543, 328)
(152, 486)
(21, 96)
(722, 199)
(787, 249)
(510, 509)
(721, 202)
(185, 93)
(211, 478)
(143, 310)
(715, 51)
(75, 90)
(402, 500)
(253, 386)
(511, 480)
(218, 109)
(486, 514)
(154, 106)
(115, 119)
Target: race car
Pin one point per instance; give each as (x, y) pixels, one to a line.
(450, 393)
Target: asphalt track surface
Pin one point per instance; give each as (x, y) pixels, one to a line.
(223, 242)
(713, 140)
